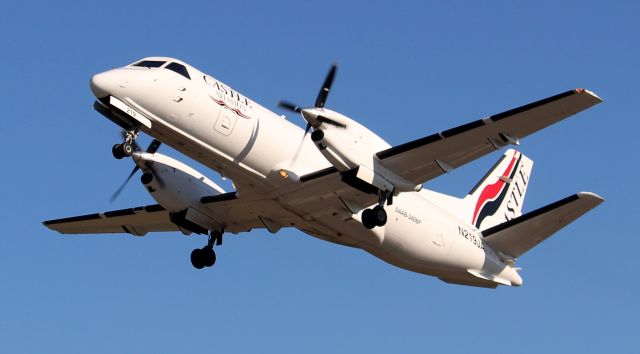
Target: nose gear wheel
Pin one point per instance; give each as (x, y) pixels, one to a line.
(127, 147)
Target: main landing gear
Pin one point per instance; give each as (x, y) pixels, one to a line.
(206, 256)
(377, 216)
(127, 147)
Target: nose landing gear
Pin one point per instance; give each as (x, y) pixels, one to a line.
(127, 148)
(206, 256)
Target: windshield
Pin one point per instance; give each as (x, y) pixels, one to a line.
(150, 63)
(179, 68)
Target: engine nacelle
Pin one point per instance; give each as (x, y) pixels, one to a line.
(179, 189)
(350, 146)
(344, 142)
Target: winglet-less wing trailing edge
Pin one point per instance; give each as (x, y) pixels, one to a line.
(423, 159)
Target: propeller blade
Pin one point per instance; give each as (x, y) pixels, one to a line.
(295, 156)
(326, 87)
(323, 119)
(306, 130)
(289, 106)
(117, 193)
(153, 147)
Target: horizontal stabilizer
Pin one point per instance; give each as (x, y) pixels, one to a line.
(517, 236)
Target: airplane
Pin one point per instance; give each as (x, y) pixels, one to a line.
(335, 180)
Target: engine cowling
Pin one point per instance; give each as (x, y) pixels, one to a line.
(350, 146)
(179, 189)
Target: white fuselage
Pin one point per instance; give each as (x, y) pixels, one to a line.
(224, 130)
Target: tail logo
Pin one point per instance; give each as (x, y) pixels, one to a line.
(493, 195)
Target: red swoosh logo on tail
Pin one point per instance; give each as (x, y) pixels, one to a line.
(491, 191)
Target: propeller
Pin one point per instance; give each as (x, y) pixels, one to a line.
(151, 149)
(320, 102)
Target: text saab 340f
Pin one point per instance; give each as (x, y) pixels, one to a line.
(342, 183)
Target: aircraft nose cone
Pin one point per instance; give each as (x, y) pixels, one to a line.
(101, 84)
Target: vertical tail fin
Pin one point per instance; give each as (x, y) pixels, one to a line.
(498, 197)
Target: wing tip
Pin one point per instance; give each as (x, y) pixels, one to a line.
(50, 224)
(590, 196)
(590, 93)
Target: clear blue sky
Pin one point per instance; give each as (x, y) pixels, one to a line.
(406, 71)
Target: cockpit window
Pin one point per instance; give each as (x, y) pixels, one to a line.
(150, 63)
(179, 68)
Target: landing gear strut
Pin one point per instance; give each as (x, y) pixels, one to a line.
(126, 148)
(377, 216)
(206, 256)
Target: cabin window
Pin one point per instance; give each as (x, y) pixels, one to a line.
(179, 68)
(150, 63)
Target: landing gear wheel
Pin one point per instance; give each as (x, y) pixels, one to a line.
(198, 258)
(117, 152)
(368, 219)
(380, 215)
(127, 149)
(206, 256)
(209, 256)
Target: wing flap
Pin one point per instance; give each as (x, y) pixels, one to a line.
(517, 236)
(239, 215)
(136, 221)
(421, 160)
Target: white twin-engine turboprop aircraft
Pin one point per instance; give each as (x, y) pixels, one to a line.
(343, 183)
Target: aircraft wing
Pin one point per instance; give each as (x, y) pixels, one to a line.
(136, 221)
(424, 159)
(224, 210)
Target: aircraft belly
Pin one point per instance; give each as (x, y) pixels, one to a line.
(423, 238)
(338, 227)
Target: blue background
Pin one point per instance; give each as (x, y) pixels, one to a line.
(407, 69)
